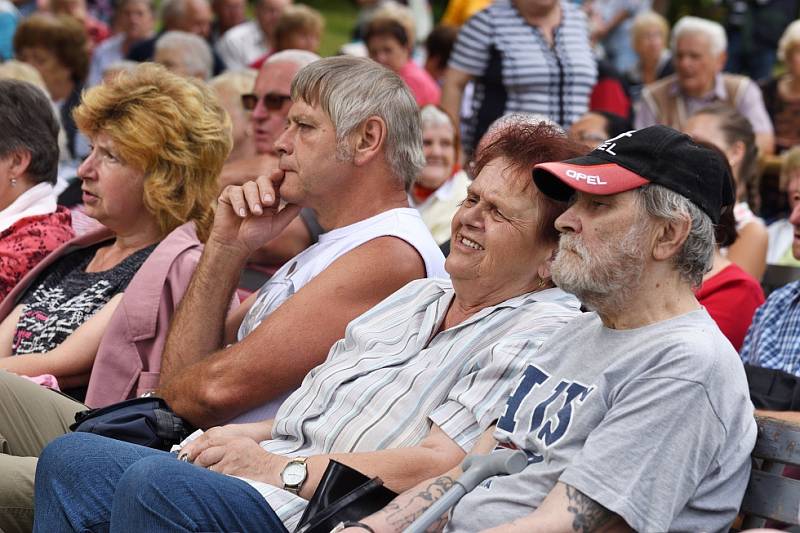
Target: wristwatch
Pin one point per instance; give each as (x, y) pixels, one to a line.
(294, 474)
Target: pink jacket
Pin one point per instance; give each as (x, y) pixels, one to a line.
(129, 357)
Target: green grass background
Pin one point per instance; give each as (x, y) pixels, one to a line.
(340, 19)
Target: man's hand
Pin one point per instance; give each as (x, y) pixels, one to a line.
(243, 457)
(249, 215)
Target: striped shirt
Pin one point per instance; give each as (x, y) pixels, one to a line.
(773, 340)
(392, 374)
(516, 70)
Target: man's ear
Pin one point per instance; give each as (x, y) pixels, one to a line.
(669, 238)
(370, 140)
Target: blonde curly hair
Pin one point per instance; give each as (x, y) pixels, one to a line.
(171, 128)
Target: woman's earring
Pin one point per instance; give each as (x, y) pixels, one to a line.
(13, 182)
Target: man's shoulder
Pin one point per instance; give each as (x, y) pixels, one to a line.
(664, 86)
(780, 300)
(686, 342)
(396, 235)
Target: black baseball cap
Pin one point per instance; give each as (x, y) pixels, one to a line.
(656, 154)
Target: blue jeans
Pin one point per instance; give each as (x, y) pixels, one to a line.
(85, 482)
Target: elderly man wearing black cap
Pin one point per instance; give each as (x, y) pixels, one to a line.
(637, 415)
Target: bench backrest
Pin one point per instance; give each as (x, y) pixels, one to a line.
(776, 276)
(770, 494)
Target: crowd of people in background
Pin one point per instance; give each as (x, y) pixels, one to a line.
(545, 225)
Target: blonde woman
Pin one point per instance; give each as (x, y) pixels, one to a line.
(158, 144)
(102, 306)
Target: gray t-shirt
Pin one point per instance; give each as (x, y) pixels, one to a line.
(653, 423)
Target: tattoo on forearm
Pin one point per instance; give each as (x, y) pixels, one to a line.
(587, 515)
(403, 513)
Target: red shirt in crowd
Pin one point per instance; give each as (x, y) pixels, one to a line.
(731, 297)
(423, 87)
(28, 241)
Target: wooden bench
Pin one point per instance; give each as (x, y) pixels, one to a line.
(771, 495)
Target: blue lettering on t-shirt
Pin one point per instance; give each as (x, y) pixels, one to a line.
(575, 391)
(530, 379)
(549, 429)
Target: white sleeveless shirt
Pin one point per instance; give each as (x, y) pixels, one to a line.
(404, 223)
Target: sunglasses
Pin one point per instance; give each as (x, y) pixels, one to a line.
(272, 101)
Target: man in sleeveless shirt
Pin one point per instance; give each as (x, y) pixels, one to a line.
(350, 151)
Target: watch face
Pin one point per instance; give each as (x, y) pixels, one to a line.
(294, 474)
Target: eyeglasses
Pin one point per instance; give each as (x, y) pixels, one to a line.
(272, 101)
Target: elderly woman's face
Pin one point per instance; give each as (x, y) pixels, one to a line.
(438, 145)
(650, 41)
(112, 189)
(494, 232)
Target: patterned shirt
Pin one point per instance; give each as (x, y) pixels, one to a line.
(773, 340)
(65, 296)
(28, 241)
(393, 374)
(517, 70)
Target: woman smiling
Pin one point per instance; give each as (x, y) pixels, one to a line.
(413, 380)
(441, 186)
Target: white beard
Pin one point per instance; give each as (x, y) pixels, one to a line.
(602, 279)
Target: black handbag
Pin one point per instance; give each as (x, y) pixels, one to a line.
(343, 495)
(143, 421)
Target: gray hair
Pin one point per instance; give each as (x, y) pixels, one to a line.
(301, 58)
(790, 38)
(350, 90)
(28, 123)
(196, 52)
(430, 115)
(712, 30)
(697, 254)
